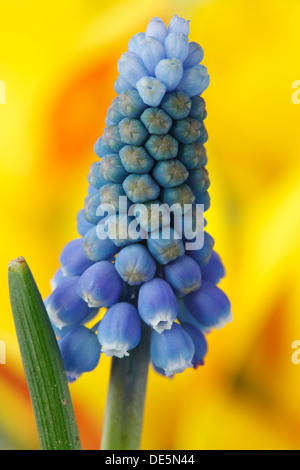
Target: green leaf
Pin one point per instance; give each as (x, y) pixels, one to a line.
(43, 366)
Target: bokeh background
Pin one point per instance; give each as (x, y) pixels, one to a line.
(59, 63)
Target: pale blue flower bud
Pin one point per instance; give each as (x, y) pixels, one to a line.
(99, 148)
(169, 72)
(95, 179)
(83, 225)
(151, 90)
(156, 121)
(130, 104)
(119, 330)
(203, 255)
(91, 204)
(198, 110)
(172, 350)
(122, 85)
(92, 191)
(133, 132)
(165, 250)
(135, 265)
(97, 249)
(194, 81)
(111, 139)
(112, 169)
(151, 51)
(141, 188)
(157, 29)
(136, 159)
(192, 155)
(131, 68)
(151, 215)
(177, 46)
(195, 55)
(162, 147)
(186, 131)
(198, 179)
(110, 194)
(203, 134)
(202, 198)
(177, 104)
(179, 25)
(124, 230)
(100, 285)
(170, 173)
(135, 41)
(113, 113)
(179, 195)
(157, 304)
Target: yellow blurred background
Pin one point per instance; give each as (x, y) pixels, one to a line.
(59, 62)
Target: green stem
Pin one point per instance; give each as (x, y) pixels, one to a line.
(126, 398)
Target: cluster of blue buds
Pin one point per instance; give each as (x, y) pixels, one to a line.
(151, 155)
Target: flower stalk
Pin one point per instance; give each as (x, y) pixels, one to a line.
(126, 398)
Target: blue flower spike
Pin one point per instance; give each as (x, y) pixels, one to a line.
(133, 256)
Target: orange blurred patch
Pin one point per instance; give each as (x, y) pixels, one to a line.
(77, 117)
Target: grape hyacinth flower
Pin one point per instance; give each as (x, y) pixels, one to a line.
(80, 351)
(162, 298)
